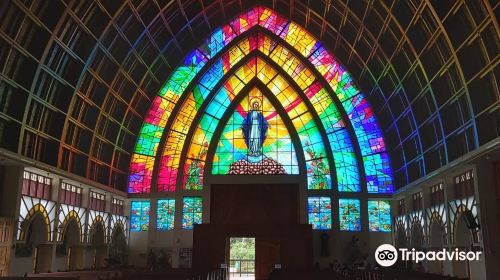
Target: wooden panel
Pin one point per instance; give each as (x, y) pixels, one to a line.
(254, 204)
(3, 256)
(210, 243)
(267, 252)
(5, 243)
(270, 213)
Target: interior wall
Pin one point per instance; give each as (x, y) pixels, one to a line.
(44, 258)
(89, 257)
(10, 200)
(77, 257)
(10, 191)
(60, 263)
(436, 242)
(348, 247)
(173, 241)
(489, 212)
(254, 204)
(138, 248)
(486, 170)
(19, 266)
(209, 250)
(178, 239)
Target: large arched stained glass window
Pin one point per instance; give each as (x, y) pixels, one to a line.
(255, 140)
(355, 140)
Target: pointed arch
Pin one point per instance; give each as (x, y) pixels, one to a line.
(98, 221)
(38, 210)
(280, 88)
(96, 218)
(71, 216)
(118, 221)
(29, 208)
(233, 106)
(67, 212)
(360, 119)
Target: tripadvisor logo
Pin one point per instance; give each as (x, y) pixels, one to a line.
(387, 255)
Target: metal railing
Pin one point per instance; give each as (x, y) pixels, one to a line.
(241, 268)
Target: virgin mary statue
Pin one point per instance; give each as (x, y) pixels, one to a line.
(254, 129)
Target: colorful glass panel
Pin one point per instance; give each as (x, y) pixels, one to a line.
(349, 214)
(317, 163)
(165, 214)
(192, 212)
(141, 173)
(167, 178)
(379, 215)
(139, 215)
(255, 140)
(319, 210)
(373, 154)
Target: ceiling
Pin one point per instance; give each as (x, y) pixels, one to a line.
(77, 77)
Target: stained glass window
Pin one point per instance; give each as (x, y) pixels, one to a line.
(375, 159)
(165, 214)
(192, 211)
(338, 81)
(139, 215)
(349, 214)
(320, 212)
(317, 164)
(31, 206)
(255, 141)
(379, 215)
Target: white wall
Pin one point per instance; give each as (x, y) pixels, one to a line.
(137, 254)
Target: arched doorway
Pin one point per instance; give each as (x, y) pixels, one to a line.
(416, 239)
(37, 239)
(462, 242)
(98, 245)
(72, 246)
(118, 247)
(401, 241)
(436, 238)
(417, 236)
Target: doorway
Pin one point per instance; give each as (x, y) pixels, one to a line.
(269, 214)
(71, 244)
(242, 258)
(37, 240)
(98, 247)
